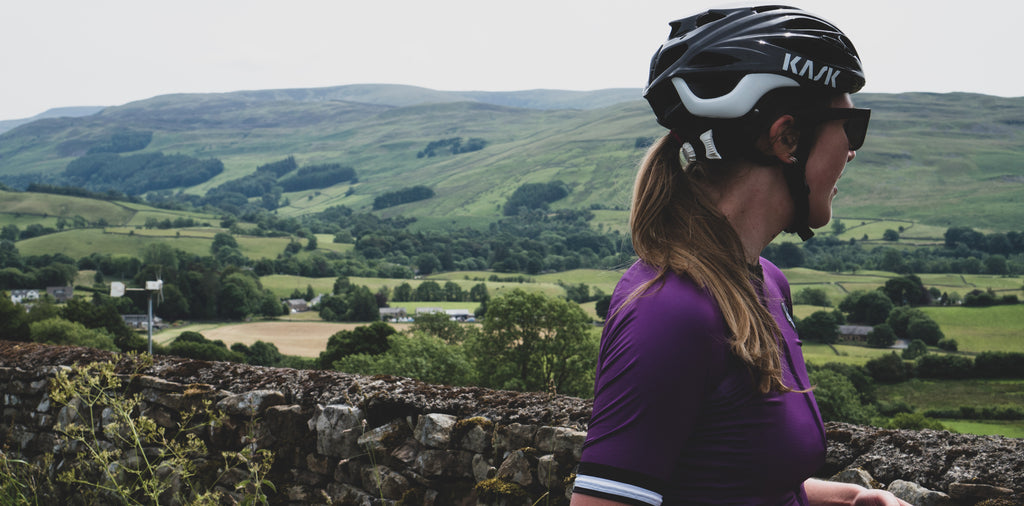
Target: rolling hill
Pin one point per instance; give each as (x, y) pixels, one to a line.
(937, 159)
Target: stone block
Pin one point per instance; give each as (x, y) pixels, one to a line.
(434, 430)
(856, 477)
(917, 495)
(561, 441)
(482, 468)
(338, 427)
(516, 469)
(252, 403)
(475, 439)
(971, 493)
(513, 437)
(379, 480)
(548, 473)
(432, 463)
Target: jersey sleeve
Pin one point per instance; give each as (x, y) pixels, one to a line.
(660, 354)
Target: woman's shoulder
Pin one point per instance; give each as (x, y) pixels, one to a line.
(672, 298)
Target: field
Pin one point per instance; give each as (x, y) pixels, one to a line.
(948, 394)
(997, 328)
(299, 338)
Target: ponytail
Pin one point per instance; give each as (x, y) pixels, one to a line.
(676, 227)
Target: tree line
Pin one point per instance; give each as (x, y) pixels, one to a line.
(1002, 256)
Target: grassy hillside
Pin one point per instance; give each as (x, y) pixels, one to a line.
(932, 159)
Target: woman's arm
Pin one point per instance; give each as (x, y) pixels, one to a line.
(829, 493)
(586, 500)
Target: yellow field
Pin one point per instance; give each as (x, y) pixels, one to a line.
(300, 338)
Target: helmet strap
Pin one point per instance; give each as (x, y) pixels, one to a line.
(796, 179)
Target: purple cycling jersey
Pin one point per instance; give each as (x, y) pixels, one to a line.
(677, 417)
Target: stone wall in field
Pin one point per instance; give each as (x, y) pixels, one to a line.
(345, 439)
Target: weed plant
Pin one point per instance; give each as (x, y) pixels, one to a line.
(111, 452)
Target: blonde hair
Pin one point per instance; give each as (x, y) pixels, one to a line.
(675, 227)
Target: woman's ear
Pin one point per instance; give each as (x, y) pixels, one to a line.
(783, 138)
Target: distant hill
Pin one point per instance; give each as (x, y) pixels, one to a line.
(58, 112)
(939, 159)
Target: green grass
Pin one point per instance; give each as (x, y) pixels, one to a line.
(283, 285)
(936, 160)
(820, 354)
(1007, 428)
(997, 328)
(924, 394)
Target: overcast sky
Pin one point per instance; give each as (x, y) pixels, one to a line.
(57, 53)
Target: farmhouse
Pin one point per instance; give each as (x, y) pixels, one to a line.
(297, 305)
(61, 293)
(24, 296)
(459, 314)
(858, 333)
(392, 313)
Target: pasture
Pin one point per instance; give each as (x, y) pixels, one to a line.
(298, 338)
(977, 329)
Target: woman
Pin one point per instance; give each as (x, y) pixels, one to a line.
(702, 396)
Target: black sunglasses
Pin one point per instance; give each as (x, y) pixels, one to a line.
(855, 126)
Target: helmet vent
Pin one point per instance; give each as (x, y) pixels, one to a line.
(711, 60)
(709, 17)
(669, 56)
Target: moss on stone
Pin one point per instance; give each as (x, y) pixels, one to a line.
(464, 425)
(497, 488)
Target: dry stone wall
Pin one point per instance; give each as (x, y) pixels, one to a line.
(348, 439)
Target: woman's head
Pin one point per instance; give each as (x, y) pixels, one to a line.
(742, 89)
(725, 77)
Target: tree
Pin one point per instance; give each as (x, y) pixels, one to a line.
(906, 290)
(239, 296)
(311, 245)
(536, 343)
(888, 368)
(479, 293)
(222, 240)
(821, 326)
(369, 339)
(429, 291)
(925, 330)
(441, 326)
(452, 292)
(419, 356)
(64, 332)
(901, 316)
(881, 336)
(868, 308)
(194, 345)
(13, 320)
(915, 349)
(890, 235)
(837, 398)
(602, 305)
(101, 313)
(812, 297)
(402, 293)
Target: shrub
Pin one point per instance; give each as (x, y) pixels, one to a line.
(913, 421)
(881, 336)
(948, 344)
(888, 368)
(945, 367)
(916, 349)
(999, 364)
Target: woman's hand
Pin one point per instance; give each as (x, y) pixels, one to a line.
(830, 493)
(878, 498)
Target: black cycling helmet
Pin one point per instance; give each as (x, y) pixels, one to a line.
(717, 66)
(720, 63)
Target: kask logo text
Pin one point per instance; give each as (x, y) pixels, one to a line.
(805, 68)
